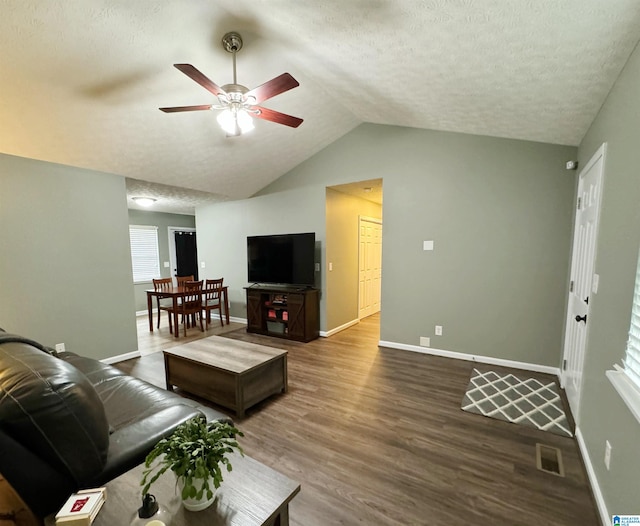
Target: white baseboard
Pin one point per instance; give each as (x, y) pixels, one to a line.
(326, 334)
(231, 319)
(605, 518)
(121, 357)
(473, 357)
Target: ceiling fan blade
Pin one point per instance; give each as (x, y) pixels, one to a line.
(186, 108)
(200, 78)
(276, 116)
(271, 88)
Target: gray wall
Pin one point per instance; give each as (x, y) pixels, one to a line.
(223, 229)
(500, 213)
(65, 267)
(603, 414)
(163, 222)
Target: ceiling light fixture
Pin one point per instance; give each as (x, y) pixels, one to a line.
(367, 189)
(144, 201)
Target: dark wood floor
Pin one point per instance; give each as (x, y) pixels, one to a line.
(376, 436)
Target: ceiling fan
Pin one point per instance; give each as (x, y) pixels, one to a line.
(237, 102)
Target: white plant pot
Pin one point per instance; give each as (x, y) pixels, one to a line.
(197, 504)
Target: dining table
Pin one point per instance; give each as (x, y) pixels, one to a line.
(176, 293)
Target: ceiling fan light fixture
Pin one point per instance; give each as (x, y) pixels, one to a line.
(232, 120)
(244, 121)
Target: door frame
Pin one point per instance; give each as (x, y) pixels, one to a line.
(600, 154)
(171, 232)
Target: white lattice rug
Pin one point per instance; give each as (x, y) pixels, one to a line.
(520, 401)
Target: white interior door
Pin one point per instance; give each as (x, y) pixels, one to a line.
(583, 284)
(369, 266)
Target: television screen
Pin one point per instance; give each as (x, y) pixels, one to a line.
(286, 259)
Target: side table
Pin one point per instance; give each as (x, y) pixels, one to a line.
(251, 495)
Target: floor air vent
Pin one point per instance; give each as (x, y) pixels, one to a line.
(549, 460)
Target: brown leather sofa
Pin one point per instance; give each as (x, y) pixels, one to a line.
(69, 422)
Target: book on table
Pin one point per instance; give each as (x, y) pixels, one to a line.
(81, 508)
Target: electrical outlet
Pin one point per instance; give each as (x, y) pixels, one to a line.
(438, 330)
(607, 454)
(425, 341)
(59, 347)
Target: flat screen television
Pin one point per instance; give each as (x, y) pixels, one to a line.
(287, 259)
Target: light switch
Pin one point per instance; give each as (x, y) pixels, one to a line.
(202, 265)
(166, 264)
(330, 266)
(427, 245)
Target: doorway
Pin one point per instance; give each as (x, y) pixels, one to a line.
(584, 281)
(353, 250)
(183, 251)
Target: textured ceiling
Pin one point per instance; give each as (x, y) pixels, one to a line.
(169, 198)
(370, 190)
(81, 81)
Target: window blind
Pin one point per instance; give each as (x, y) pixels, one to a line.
(145, 258)
(632, 356)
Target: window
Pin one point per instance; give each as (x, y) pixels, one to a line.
(145, 258)
(632, 356)
(626, 379)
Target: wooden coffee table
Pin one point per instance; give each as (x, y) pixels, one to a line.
(231, 373)
(251, 495)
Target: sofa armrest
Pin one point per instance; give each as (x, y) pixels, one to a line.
(53, 410)
(129, 445)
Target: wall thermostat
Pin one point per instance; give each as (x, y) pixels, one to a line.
(572, 165)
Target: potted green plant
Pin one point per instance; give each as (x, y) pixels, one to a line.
(195, 452)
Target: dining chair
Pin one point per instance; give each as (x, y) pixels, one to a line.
(190, 307)
(160, 285)
(183, 279)
(211, 298)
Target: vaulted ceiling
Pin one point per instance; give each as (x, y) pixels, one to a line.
(81, 81)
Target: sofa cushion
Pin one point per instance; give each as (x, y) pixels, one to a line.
(51, 407)
(127, 399)
(96, 371)
(130, 444)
